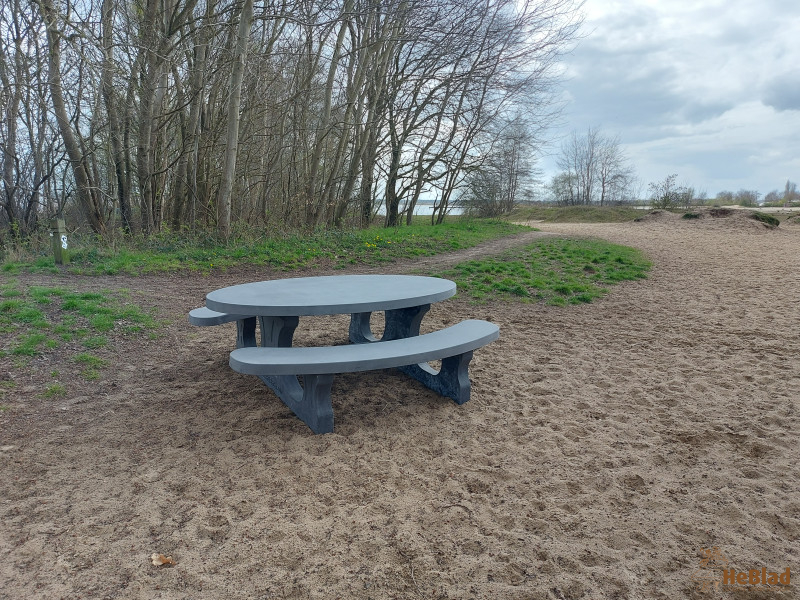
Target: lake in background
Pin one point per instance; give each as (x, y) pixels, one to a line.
(425, 209)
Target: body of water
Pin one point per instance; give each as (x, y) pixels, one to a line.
(425, 210)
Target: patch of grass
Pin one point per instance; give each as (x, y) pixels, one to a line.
(9, 290)
(28, 344)
(576, 214)
(38, 265)
(89, 360)
(11, 306)
(95, 342)
(691, 215)
(38, 324)
(90, 374)
(54, 390)
(558, 272)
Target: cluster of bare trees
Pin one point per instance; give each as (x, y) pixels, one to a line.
(506, 176)
(145, 114)
(789, 196)
(668, 193)
(594, 170)
(743, 197)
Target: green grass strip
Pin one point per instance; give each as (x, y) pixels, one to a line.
(576, 214)
(554, 271)
(168, 251)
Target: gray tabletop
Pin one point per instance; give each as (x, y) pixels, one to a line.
(338, 294)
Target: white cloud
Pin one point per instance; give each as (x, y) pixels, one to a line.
(710, 89)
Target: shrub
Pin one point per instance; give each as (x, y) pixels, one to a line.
(768, 220)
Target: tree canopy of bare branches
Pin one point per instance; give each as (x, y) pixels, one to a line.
(156, 114)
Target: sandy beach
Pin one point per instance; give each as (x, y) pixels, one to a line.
(605, 446)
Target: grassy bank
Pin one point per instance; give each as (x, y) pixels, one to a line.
(555, 271)
(175, 252)
(576, 214)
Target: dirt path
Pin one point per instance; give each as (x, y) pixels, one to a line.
(604, 446)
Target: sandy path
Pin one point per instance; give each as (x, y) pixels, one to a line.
(605, 445)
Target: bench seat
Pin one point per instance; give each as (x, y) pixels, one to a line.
(279, 366)
(203, 317)
(457, 339)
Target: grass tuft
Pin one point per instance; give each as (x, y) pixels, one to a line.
(765, 218)
(54, 390)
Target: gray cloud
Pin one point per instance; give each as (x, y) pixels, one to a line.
(783, 92)
(632, 92)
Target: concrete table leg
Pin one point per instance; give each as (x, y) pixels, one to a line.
(400, 323)
(404, 322)
(452, 380)
(360, 331)
(277, 332)
(246, 333)
(311, 402)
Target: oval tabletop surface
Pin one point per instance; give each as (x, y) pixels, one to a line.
(328, 295)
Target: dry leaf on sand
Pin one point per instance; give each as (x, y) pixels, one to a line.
(160, 559)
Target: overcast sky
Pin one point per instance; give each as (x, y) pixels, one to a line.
(705, 89)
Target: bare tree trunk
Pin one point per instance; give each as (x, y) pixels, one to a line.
(9, 148)
(115, 132)
(88, 195)
(232, 140)
(323, 128)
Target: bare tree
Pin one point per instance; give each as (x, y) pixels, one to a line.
(747, 197)
(234, 103)
(790, 193)
(725, 197)
(507, 175)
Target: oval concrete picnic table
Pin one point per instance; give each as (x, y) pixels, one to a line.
(329, 295)
(276, 305)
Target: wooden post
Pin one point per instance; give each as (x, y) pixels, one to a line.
(58, 233)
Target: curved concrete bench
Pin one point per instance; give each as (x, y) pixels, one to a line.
(203, 317)
(278, 367)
